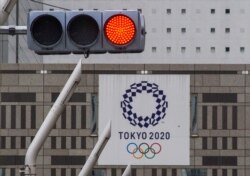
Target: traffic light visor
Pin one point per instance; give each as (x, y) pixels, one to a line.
(120, 30)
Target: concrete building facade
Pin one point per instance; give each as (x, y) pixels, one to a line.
(219, 131)
(14, 49)
(208, 40)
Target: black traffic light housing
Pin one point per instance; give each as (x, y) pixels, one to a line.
(86, 31)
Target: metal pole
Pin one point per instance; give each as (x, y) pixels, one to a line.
(94, 155)
(17, 37)
(50, 120)
(127, 171)
(13, 30)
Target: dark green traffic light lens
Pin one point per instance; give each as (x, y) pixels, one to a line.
(46, 30)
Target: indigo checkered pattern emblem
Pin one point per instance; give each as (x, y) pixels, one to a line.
(161, 104)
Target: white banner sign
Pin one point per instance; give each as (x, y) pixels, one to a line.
(149, 119)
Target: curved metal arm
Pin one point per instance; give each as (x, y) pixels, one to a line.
(50, 120)
(94, 155)
(5, 8)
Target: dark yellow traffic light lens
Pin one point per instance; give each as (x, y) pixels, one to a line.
(120, 30)
(83, 30)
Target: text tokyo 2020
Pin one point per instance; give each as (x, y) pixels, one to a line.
(144, 135)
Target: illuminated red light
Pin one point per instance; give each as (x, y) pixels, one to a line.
(120, 29)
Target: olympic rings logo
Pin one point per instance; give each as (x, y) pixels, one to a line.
(143, 149)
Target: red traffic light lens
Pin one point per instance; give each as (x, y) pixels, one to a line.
(120, 29)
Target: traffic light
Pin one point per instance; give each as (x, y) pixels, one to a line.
(86, 31)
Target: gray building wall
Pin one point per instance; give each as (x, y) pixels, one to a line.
(10, 51)
(180, 31)
(219, 147)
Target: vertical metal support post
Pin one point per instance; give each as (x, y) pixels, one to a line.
(17, 36)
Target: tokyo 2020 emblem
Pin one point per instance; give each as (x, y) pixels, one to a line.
(161, 104)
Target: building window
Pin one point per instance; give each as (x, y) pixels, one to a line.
(73, 142)
(13, 142)
(153, 30)
(242, 49)
(204, 117)
(194, 128)
(63, 142)
(242, 30)
(227, 30)
(23, 142)
(99, 172)
(214, 172)
(2, 142)
(2, 171)
(73, 172)
(214, 143)
(168, 49)
(227, 49)
(183, 11)
(183, 49)
(214, 117)
(63, 172)
(224, 143)
(194, 172)
(234, 143)
(227, 11)
(204, 143)
(198, 49)
(224, 172)
(12, 172)
(168, 30)
(94, 118)
(234, 172)
(168, 11)
(212, 30)
(183, 30)
(235, 118)
(174, 172)
(153, 49)
(212, 11)
(212, 49)
(53, 142)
